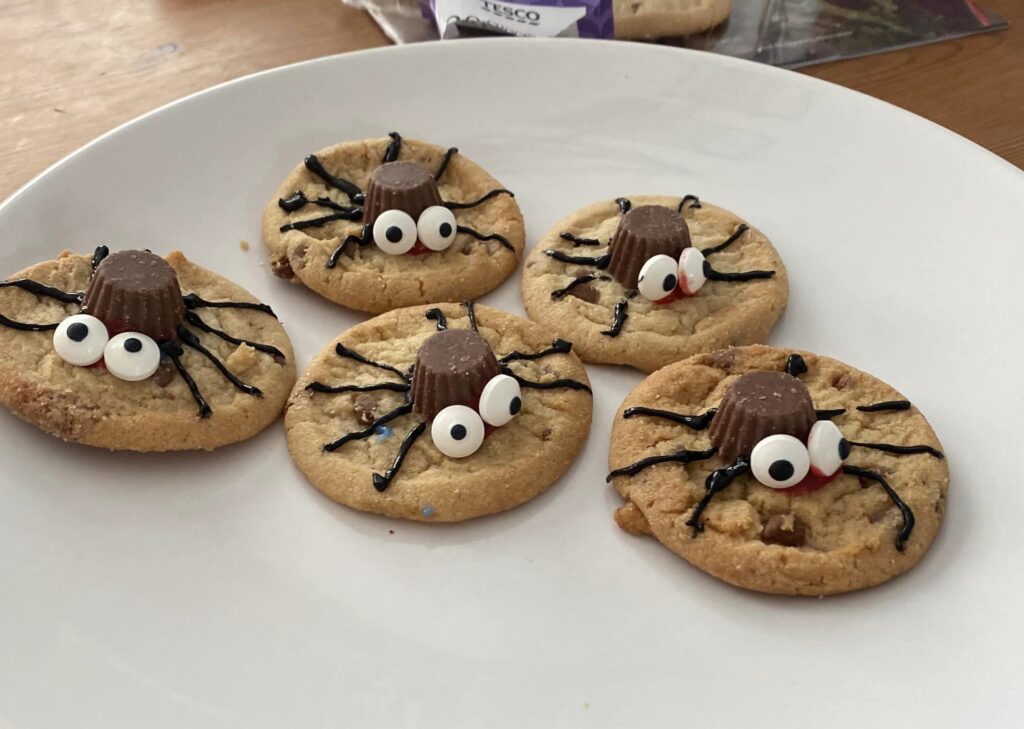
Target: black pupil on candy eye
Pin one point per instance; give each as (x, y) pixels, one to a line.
(78, 331)
(445, 230)
(458, 432)
(670, 282)
(781, 470)
(132, 345)
(393, 234)
(515, 406)
(844, 449)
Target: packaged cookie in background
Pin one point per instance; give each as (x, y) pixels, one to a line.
(131, 351)
(648, 280)
(779, 471)
(439, 413)
(380, 224)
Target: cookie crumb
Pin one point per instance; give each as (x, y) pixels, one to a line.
(842, 381)
(787, 530)
(244, 245)
(545, 434)
(631, 520)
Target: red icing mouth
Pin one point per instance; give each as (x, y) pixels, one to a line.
(674, 296)
(812, 482)
(419, 250)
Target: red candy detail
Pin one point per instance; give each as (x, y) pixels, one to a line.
(674, 296)
(419, 250)
(812, 482)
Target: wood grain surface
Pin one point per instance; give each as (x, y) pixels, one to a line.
(71, 70)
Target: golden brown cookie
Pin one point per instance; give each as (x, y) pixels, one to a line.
(484, 422)
(380, 224)
(771, 470)
(581, 280)
(129, 351)
(637, 19)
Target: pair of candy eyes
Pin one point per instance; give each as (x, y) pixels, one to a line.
(395, 232)
(83, 340)
(458, 431)
(661, 275)
(781, 461)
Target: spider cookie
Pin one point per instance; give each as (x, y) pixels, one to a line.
(651, 280)
(131, 351)
(380, 224)
(637, 19)
(778, 471)
(439, 414)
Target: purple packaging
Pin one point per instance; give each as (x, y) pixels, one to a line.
(531, 18)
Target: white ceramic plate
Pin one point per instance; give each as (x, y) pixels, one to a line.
(220, 590)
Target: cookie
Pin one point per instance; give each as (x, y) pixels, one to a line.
(638, 19)
(780, 472)
(130, 351)
(650, 280)
(381, 224)
(439, 414)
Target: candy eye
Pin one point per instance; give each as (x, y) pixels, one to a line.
(501, 400)
(827, 448)
(780, 461)
(658, 278)
(80, 339)
(394, 232)
(691, 271)
(131, 356)
(436, 227)
(457, 431)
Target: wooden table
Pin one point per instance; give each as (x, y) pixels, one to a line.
(71, 70)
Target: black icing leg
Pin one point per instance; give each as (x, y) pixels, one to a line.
(471, 313)
(624, 205)
(578, 281)
(195, 301)
(740, 276)
(444, 163)
(692, 199)
(736, 235)
(195, 320)
(908, 514)
(191, 340)
(479, 201)
(335, 389)
(900, 450)
(342, 351)
(550, 385)
(314, 165)
(382, 482)
(346, 214)
(438, 316)
(99, 255)
(887, 406)
(795, 365)
(694, 422)
(680, 456)
(621, 314)
(576, 241)
(828, 414)
(559, 346)
(362, 239)
(369, 430)
(716, 482)
(173, 351)
(34, 287)
(485, 236)
(394, 148)
(27, 326)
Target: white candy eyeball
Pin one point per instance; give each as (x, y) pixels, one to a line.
(658, 278)
(436, 227)
(691, 271)
(501, 400)
(457, 431)
(394, 232)
(780, 461)
(827, 448)
(80, 339)
(132, 356)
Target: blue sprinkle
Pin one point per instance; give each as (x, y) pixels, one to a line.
(427, 511)
(384, 432)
